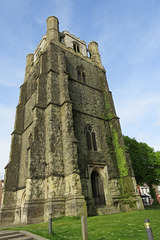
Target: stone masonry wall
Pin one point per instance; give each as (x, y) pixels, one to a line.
(64, 95)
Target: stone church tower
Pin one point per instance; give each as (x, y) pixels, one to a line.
(67, 151)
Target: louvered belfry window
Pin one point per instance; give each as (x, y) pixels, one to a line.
(76, 47)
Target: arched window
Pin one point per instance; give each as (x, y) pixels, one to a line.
(91, 139)
(81, 75)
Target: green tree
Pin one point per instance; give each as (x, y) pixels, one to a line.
(145, 162)
(157, 163)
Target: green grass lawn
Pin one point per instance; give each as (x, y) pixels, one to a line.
(121, 226)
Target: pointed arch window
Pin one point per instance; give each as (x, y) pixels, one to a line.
(81, 75)
(91, 139)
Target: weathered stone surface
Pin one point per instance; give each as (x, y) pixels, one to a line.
(67, 152)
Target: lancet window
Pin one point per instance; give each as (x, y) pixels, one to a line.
(91, 139)
(81, 75)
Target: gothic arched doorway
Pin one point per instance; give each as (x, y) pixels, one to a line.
(97, 189)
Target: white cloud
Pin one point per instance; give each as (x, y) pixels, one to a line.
(157, 122)
(133, 108)
(150, 138)
(142, 137)
(139, 113)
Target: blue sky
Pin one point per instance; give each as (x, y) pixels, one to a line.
(128, 34)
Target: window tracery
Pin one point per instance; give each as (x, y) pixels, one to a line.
(91, 139)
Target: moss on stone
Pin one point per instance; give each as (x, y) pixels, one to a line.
(120, 155)
(125, 181)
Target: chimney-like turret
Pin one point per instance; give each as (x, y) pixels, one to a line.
(94, 52)
(52, 29)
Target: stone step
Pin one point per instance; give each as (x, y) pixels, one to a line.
(23, 238)
(7, 232)
(6, 235)
(18, 235)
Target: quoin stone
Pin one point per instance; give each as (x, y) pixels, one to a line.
(67, 152)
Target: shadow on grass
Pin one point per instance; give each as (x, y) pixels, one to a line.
(151, 207)
(65, 219)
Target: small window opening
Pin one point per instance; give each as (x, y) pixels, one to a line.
(76, 47)
(84, 77)
(89, 54)
(81, 75)
(62, 39)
